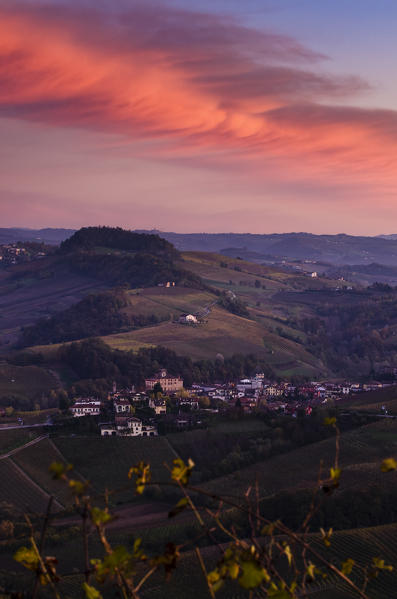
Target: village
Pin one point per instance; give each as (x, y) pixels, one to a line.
(165, 402)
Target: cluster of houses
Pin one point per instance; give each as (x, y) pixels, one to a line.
(13, 253)
(247, 394)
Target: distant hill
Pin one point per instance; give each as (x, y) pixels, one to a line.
(48, 236)
(335, 250)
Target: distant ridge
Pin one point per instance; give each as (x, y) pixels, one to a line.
(335, 250)
(48, 236)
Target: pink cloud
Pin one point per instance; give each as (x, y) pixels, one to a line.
(201, 84)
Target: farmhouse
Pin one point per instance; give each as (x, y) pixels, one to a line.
(169, 383)
(86, 407)
(188, 319)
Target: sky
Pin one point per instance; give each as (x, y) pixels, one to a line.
(220, 116)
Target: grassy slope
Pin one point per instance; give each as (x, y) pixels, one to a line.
(224, 332)
(36, 289)
(26, 381)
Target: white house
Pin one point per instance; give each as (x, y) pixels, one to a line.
(158, 405)
(121, 405)
(188, 319)
(86, 407)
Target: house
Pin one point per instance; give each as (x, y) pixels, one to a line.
(169, 383)
(188, 319)
(108, 430)
(86, 407)
(121, 405)
(158, 405)
(132, 427)
(149, 430)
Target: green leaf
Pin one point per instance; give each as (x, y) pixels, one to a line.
(379, 563)
(77, 487)
(180, 506)
(91, 592)
(288, 553)
(143, 474)
(99, 516)
(278, 592)
(388, 465)
(326, 536)
(215, 580)
(347, 566)
(59, 469)
(335, 474)
(252, 574)
(119, 560)
(181, 472)
(137, 552)
(28, 558)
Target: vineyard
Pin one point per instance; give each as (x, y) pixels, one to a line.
(19, 490)
(299, 469)
(106, 461)
(35, 461)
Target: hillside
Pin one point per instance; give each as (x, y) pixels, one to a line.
(130, 290)
(366, 497)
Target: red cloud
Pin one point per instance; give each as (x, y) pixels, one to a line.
(202, 82)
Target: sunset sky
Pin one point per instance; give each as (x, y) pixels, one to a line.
(247, 116)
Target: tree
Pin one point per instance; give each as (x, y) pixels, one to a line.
(157, 389)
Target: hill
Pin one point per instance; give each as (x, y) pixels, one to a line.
(332, 249)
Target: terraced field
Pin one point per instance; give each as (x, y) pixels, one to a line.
(35, 461)
(19, 490)
(106, 461)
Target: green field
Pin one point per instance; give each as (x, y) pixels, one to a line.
(223, 333)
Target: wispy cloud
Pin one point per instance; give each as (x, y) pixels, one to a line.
(202, 84)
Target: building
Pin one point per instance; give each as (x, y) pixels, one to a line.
(121, 405)
(108, 430)
(169, 383)
(129, 427)
(86, 407)
(188, 319)
(158, 405)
